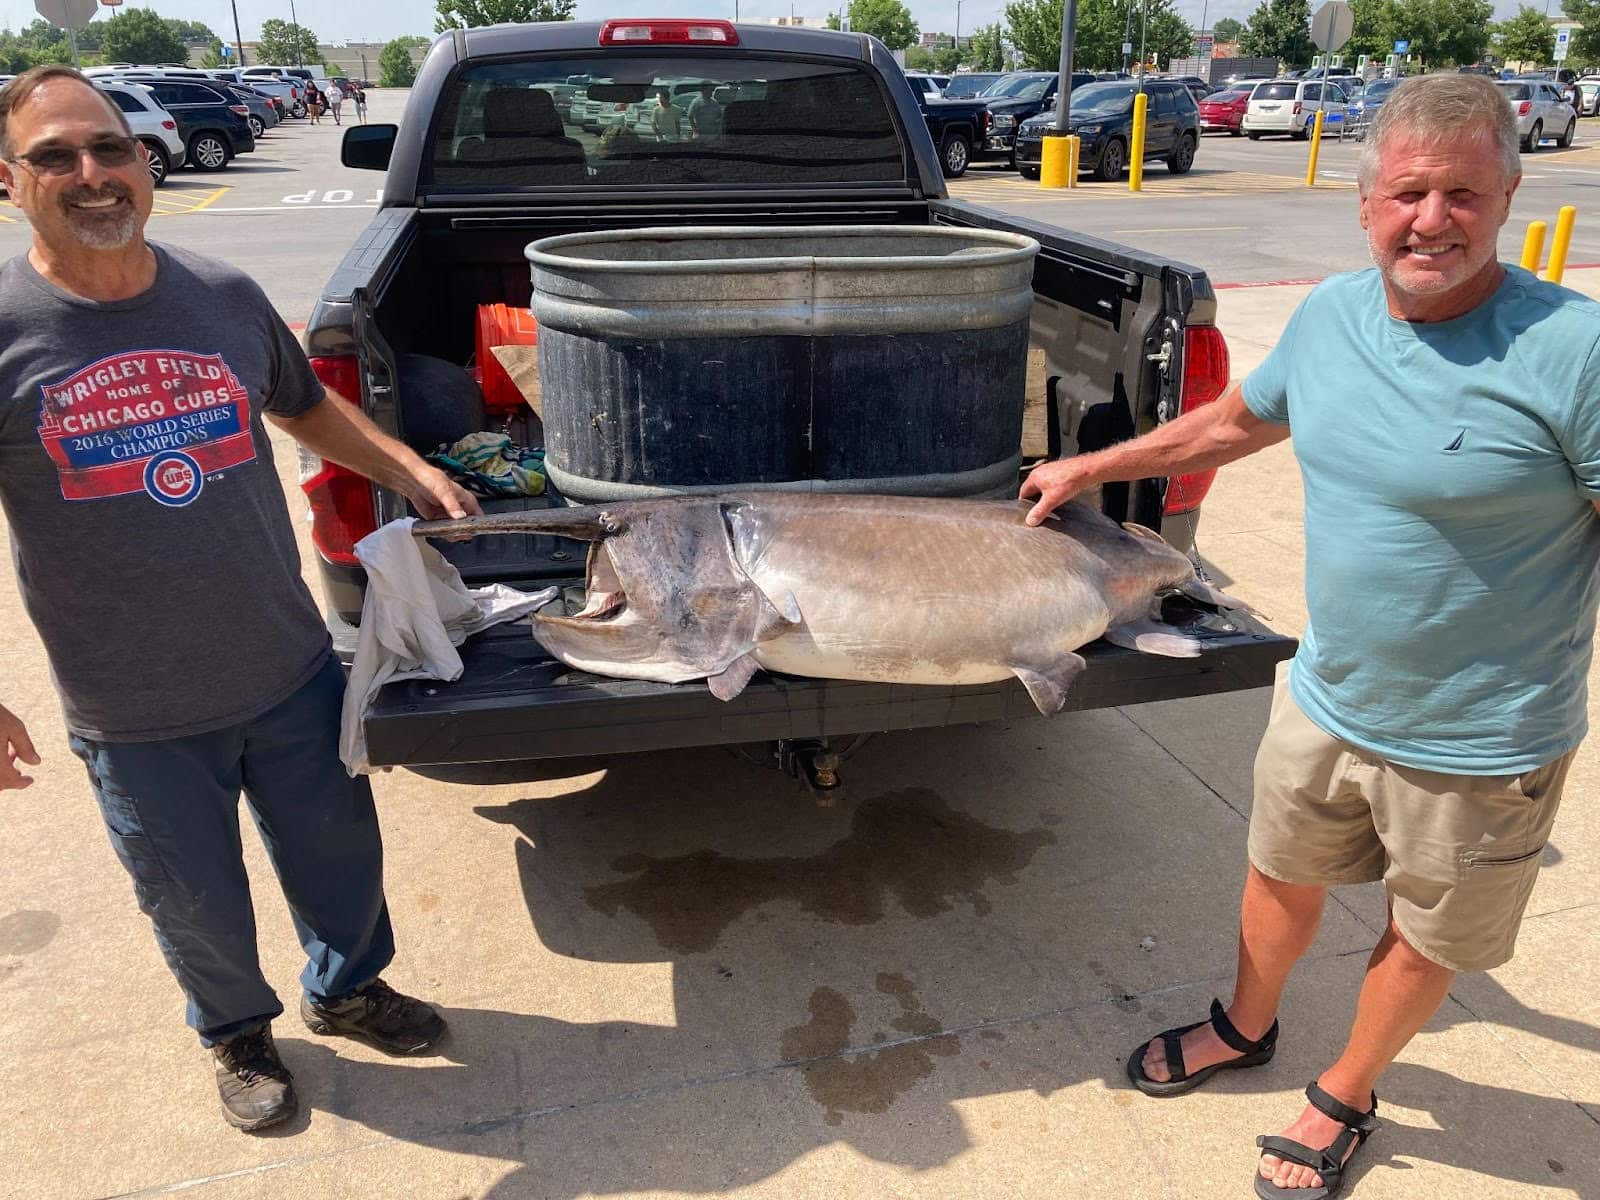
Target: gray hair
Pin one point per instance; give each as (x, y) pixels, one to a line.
(1439, 108)
(19, 89)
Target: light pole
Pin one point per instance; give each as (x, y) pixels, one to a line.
(1144, 29)
(1127, 37)
(238, 38)
(958, 28)
(295, 21)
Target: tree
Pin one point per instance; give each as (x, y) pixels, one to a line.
(1377, 25)
(1226, 30)
(887, 20)
(937, 60)
(139, 36)
(1035, 29)
(40, 43)
(987, 53)
(287, 44)
(212, 59)
(1585, 46)
(1445, 31)
(1280, 29)
(469, 14)
(190, 31)
(395, 65)
(1526, 37)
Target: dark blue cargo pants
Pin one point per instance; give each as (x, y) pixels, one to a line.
(172, 809)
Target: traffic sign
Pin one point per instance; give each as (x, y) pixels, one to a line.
(1402, 47)
(67, 14)
(227, 51)
(1563, 44)
(1332, 24)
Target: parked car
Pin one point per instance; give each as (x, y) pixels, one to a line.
(289, 93)
(1198, 88)
(215, 127)
(1012, 99)
(1102, 115)
(1589, 97)
(263, 113)
(1540, 109)
(923, 85)
(1365, 106)
(1290, 106)
(956, 127)
(1223, 112)
(151, 124)
(967, 85)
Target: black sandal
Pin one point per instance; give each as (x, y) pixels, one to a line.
(1329, 1163)
(1255, 1054)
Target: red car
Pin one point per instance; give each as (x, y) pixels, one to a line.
(1224, 110)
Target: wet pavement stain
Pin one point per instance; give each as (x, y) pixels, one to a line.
(909, 844)
(871, 1081)
(27, 930)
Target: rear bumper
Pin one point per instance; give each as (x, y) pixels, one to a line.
(1273, 123)
(514, 703)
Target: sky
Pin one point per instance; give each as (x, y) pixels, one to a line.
(379, 20)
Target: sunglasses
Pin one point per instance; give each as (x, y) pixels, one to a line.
(108, 151)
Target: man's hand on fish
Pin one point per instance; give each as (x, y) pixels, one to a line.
(14, 738)
(436, 496)
(1054, 483)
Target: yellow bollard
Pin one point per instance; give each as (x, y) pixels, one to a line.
(1558, 247)
(1055, 162)
(1316, 148)
(1074, 147)
(1141, 105)
(1533, 246)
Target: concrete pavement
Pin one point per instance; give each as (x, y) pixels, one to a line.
(674, 975)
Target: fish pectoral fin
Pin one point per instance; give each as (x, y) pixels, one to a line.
(1199, 589)
(729, 682)
(1152, 637)
(776, 618)
(1048, 687)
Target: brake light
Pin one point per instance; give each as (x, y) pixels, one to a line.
(1297, 108)
(1205, 378)
(342, 507)
(242, 109)
(1524, 108)
(169, 124)
(661, 32)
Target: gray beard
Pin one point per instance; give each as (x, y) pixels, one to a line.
(101, 233)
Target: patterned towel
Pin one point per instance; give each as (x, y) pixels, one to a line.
(488, 464)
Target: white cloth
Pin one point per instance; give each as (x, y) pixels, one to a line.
(416, 612)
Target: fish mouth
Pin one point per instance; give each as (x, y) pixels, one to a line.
(605, 599)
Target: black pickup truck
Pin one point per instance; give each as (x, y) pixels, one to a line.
(956, 126)
(819, 128)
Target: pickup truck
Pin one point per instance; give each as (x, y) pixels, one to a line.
(1122, 340)
(956, 126)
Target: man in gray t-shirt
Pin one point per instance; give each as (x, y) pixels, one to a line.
(155, 556)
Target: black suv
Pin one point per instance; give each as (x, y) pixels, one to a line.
(1012, 100)
(1102, 115)
(213, 126)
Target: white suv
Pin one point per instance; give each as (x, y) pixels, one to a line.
(1541, 111)
(151, 124)
(1290, 106)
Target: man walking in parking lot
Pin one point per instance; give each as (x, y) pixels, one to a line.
(1446, 419)
(155, 556)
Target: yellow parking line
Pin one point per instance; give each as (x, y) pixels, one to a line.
(216, 194)
(178, 204)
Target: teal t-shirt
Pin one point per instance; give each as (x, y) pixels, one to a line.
(1451, 543)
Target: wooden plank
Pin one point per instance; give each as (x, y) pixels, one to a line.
(522, 364)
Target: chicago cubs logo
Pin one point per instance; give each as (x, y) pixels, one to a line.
(173, 479)
(154, 421)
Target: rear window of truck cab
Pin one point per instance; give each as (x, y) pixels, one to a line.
(653, 120)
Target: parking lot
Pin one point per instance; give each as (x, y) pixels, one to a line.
(675, 974)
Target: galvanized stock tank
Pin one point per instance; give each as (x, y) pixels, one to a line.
(840, 358)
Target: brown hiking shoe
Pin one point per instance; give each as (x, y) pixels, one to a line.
(255, 1086)
(379, 1015)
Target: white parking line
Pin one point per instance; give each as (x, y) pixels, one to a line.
(284, 208)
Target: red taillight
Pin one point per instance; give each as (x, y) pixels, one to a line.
(242, 109)
(659, 32)
(342, 508)
(1524, 108)
(1297, 108)
(169, 124)
(1205, 377)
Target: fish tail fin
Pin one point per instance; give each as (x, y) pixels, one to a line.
(1152, 637)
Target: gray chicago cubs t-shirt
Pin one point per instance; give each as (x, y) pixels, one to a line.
(150, 533)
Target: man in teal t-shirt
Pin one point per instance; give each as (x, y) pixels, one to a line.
(1446, 418)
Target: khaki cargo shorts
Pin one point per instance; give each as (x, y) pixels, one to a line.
(1458, 854)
